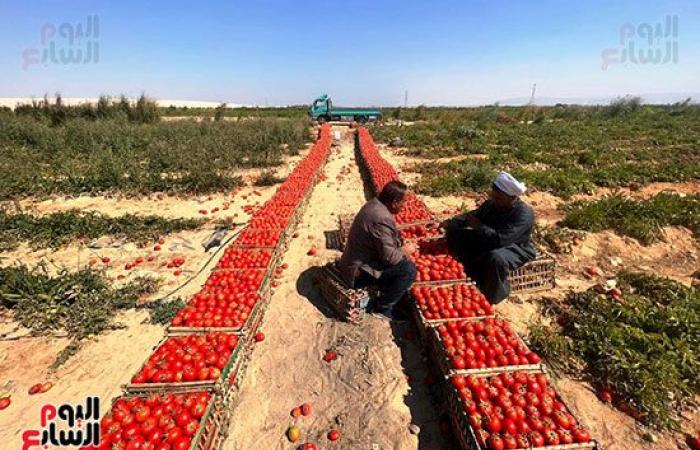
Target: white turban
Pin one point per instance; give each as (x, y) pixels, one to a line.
(508, 184)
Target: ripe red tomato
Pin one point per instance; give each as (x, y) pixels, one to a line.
(333, 435)
(182, 443)
(693, 442)
(495, 442)
(536, 439)
(5, 402)
(605, 396)
(306, 409)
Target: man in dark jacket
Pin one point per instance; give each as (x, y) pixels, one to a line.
(495, 238)
(376, 255)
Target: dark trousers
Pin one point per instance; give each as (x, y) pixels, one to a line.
(490, 271)
(488, 268)
(394, 282)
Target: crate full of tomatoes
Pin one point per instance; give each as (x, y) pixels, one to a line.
(230, 301)
(191, 362)
(435, 265)
(481, 347)
(513, 410)
(183, 421)
(450, 302)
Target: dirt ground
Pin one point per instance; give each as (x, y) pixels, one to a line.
(378, 391)
(365, 393)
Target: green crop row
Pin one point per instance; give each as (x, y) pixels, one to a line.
(640, 219)
(79, 304)
(95, 156)
(563, 150)
(60, 228)
(642, 347)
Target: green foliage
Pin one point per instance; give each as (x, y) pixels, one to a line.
(644, 347)
(163, 310)
(93, 156)
(60, 228)
(268, 178)
(80, 303)
(563, 149)
(640, 219)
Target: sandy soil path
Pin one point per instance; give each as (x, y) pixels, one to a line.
(365, 393)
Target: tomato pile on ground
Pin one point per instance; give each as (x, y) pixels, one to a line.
(479, 344)
(517, 410)
(157, 422)
(188, 358)
(455, 301)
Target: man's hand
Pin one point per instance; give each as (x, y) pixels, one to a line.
(472, 221)
(409, 248)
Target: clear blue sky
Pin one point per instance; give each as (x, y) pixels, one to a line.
(442, 52)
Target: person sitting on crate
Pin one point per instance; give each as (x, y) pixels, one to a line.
(375, 254)
(494, 239)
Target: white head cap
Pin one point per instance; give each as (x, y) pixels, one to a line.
(508, 184)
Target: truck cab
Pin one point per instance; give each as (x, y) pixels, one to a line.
(320, 108)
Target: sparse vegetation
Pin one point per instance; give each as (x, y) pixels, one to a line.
(80, 304)
(60, 228)
(640, 219)
(643, 346)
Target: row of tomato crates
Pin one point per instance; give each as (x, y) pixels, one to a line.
(181, 397)
(496, 389)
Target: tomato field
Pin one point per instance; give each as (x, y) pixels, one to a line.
(105, 209)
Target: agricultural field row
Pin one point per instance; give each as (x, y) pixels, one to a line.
(41, 155)
(562, 150)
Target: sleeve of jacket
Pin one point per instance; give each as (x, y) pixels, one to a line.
(509, 233)
(385, 243)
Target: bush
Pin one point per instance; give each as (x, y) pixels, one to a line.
(267, 178)
(644, 346)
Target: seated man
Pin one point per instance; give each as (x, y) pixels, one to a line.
(495, 238)
(375, 253)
